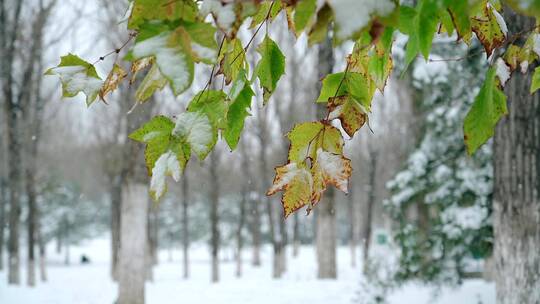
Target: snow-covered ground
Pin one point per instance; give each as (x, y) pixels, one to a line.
(91, 284)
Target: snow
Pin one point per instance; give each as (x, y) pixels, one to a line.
(500, 20)
(167, 164)
(334, 168)
(289, 172)
(196, 128)
(223, 12)
(77, 80)
(171, 60)
(503, 71)
(353, 15)
(536, 43)
(91, 284)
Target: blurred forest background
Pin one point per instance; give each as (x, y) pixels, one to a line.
(418, 207)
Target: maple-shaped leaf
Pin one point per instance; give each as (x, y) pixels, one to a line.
(353, 85)
(166, 165)
(195, 129)
(171, 50)
(351, 113)
(296, 182)
(488, 108)
(329, 169)
(270, 68)
(77, 75)
(490, 28)
(115, 77)
(306, 138)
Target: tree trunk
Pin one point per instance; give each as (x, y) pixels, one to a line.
(214, 215)
(185, 225)
(517, 188)
(116, 208)
(369, 211)
(3, 198)
(32, 218)
(296, 235)
(353, 236)
(242, 208)
(326, 231)
(42, 254)
(256, 234)
(131, 273)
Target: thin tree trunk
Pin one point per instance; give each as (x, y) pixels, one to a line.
(369, 211)
(3, 198)
(256, 234)
(242, 208)
(116, 208)
(326, 231)
(42, 253)
(185, 225)
(214, 215)
(131, 273)
(296, 234)
(517, 188)
(353, 237)
(32, 218)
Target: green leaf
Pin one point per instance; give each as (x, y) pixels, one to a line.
(158, 127)
(146, 10)
(152, 81)
(303, 13)
(535, 83)
(488, 108)
(346, 84)
(238, 111)
(195, 129)
(426, 25)
(171, 50)
(270, 68)
(274, 7)
(296, 182)
(307, 137)
(319, 30)
(77, 75)
(459, 11)
(233, 61)
(203, 41)
(213, 104)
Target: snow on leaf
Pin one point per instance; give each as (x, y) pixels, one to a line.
(114, 78)
(335, 169)
(296, 183)
(213, 104)
(353, 15)
(77, 76)
(144, 10)
(488, 108)
(270, 68)
(223, 12)
(171, 51)
(195, 129)
(535, 82)
(503, 71)
(139, 65)
(166, 165)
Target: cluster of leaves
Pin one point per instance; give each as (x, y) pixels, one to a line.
(170, 37)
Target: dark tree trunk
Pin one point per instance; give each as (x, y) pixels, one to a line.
(3, 198)
(242, 208)
(326, 230)
(214, 215)
(370, 204)
(116, 208)
(517, 188)
(185, 225)
(353, 236)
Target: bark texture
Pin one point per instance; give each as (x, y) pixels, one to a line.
(517, 188)
(214, 215)
(132, 252)
(185, 225)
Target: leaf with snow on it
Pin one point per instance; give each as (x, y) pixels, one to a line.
(335, 169)
(503, 71)
(171, 54)
(296, 183)
(196, 130)
(223, 13)
(77, 76)
(114, 79)
(139, 65)
(166, 165)
(353, 15)
(490, 28)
